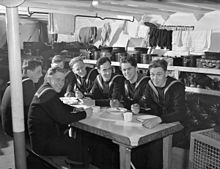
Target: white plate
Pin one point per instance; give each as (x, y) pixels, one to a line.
(116, 110)
(69, 100)
(142, 118)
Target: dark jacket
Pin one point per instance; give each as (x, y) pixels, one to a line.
(29, 89)
(133, 93)
(171, 106)
(102, 92)
(46, 117)
(83, 84)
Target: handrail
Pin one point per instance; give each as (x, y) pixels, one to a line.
(99, 17)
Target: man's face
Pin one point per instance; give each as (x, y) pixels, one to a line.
(57, 81)
(128, 71)
(105, 71)
(79, 68)
(35, 74)
(158, 76)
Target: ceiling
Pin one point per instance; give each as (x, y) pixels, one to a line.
(38, 8)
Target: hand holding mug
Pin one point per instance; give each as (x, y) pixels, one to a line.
(78, 94)
(135, 108)
(69, 94)
(114, 103)
(88, 112)
(150, 123)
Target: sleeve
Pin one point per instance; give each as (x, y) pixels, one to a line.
(147, 101)
(117, 92)
(96, 94)
(70, 83)
(91, 78)
(176, 110)
(6, 114)
(61, 112)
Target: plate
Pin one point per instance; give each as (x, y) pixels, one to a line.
(142, 118)
(69, 100)
(116, 110)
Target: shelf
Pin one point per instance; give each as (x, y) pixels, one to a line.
(202, 91)
(181, 69)
(175, 68)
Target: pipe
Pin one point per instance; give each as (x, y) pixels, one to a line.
(16, 86)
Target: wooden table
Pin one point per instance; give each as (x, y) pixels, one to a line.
(129, 135)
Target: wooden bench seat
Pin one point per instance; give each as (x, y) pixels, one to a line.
(56, 162)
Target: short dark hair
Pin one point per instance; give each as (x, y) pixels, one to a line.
(129, 59)
(158, 63)
(101, 61)
(30, 64)
(58, 59)
(53, 70)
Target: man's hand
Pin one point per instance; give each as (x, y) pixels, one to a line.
(88, 101)
(135, 108)
(150, 123)
(88, 112)
(69, 94)
(78, 94)
(115, 103)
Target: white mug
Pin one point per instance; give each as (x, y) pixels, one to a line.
(96, 109)
(127, 116)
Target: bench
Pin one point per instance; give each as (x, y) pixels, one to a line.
(56, 162)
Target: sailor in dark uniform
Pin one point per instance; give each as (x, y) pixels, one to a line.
(134, 85)
(107, 85)
(165, 96)
(83, 79)
(32, 71)
(48, 114)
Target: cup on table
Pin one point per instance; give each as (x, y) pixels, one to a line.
(127, 116)
(96, 109)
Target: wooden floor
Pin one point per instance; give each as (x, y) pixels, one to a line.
(6, 151)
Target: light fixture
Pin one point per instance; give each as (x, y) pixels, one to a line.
(95, 3)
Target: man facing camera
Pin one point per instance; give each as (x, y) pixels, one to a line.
(166, 98)
(48, 114)
(83, 79)
(134, 85)
(107, 85)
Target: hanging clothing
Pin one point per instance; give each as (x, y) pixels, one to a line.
(87, 34)
(57, 21)
(105, 33)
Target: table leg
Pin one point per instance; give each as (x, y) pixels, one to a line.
(167, 152)
(125, 156)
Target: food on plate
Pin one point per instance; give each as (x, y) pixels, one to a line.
(69, 100)
(116, 110)
(142, 118)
